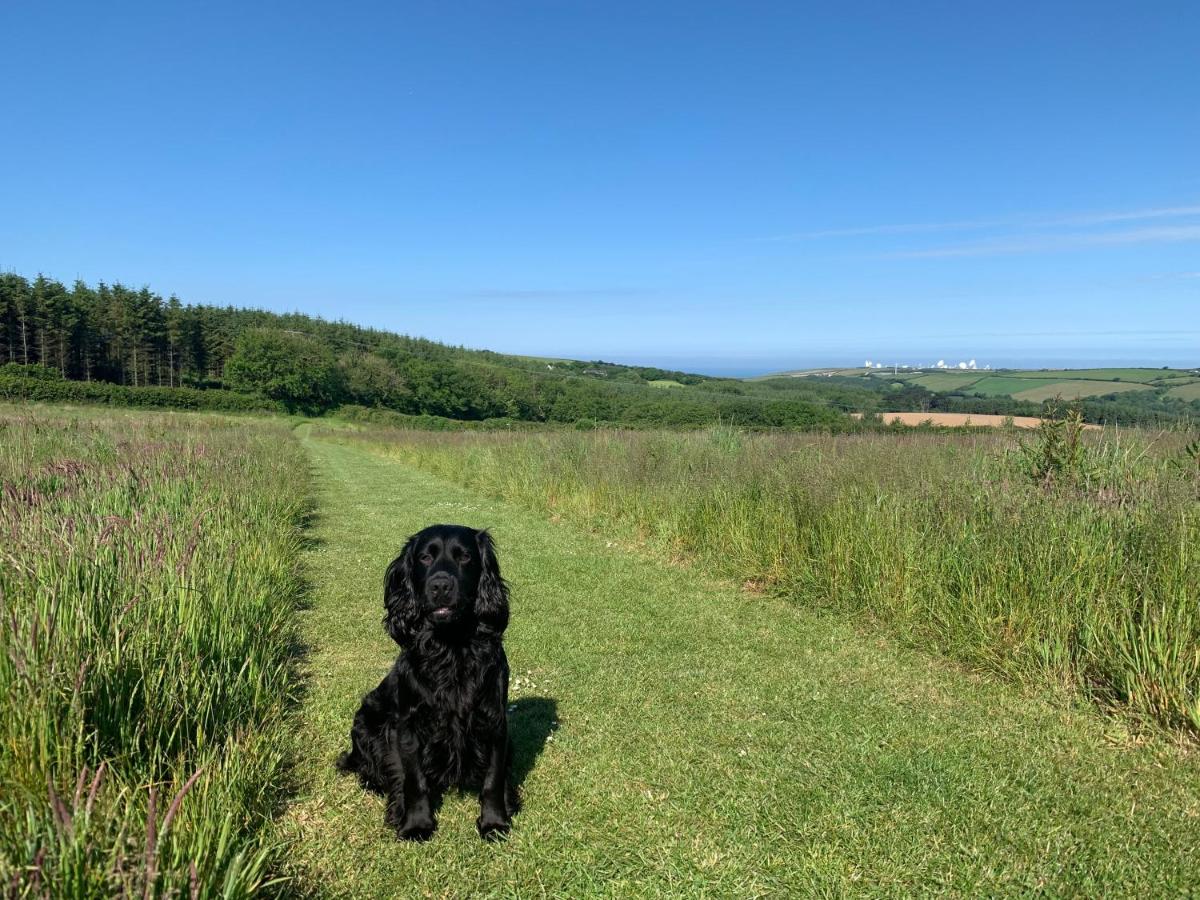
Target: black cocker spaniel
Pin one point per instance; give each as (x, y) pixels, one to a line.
(439, 718)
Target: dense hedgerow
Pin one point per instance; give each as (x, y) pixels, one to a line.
(148, 582)
(392, 419)
(43, 389)
(959, 543)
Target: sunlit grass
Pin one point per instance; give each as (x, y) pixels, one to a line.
(148, 579)
(945, 539)
(677, 736)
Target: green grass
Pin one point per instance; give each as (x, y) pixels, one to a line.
(679, 730)
(666, 383)
(947, 381)
(1072, 390)
(1125, 374)
(999, 385)
(148, 577)
(944, 540)
(1039, 386)
(814, 373)
(1186, 391)
(712, 741)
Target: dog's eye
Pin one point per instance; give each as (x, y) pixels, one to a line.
(426, 558)
(466, 557)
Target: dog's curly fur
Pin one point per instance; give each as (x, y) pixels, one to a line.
(439, 718)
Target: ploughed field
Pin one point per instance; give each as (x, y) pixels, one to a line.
(959, 420)
(747, 665)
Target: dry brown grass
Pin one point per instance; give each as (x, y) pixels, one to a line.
(957, 420)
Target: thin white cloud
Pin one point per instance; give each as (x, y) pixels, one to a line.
(1051, 242)
(910, 228)
(1125, 332)
(1103, 218)
(1173, 276)
(1020, 222)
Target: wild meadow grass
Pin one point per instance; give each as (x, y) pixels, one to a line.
(1072, 561)
(148, 582)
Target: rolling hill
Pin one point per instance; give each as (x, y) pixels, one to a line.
(118, 345)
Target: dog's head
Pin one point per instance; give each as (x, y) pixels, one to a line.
(447, 580)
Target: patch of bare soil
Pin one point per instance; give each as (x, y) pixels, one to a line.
(956, 420)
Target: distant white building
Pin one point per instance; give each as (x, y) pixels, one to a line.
(867, 364)
(971, 364)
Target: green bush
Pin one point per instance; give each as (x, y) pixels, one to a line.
(56, 390)
(37, 372)
(354, 413)
(292, 369)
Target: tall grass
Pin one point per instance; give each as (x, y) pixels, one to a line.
(148, 579)
(958, 543)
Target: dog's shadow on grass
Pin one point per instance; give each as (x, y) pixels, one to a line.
(531, 722)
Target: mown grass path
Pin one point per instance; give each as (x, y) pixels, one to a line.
(710, 742)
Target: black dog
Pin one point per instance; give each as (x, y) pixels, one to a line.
(439, 718)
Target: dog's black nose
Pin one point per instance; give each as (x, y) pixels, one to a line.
(441, 586)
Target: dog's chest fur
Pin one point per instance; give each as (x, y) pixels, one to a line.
(450, 710)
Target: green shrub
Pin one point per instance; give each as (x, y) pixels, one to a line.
(37, 372)
(1058, 455)
(292, 369)
(57, 390)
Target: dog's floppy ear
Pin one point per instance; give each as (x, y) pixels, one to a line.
(400, 610)
(491, 603)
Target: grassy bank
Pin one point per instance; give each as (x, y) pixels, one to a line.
(148, 578)
(1090, 580)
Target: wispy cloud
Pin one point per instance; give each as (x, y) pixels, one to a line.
(1057, 241)
(909, 228)
(1028, 233)
(1123, 332)
(1166, 212)
(1174, 276)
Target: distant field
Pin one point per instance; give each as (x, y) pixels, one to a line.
(1070, 390)
(999, 385)
(959, 420)
(1186, 391)
(1022, 384)
(1144, 376)
(818, 373)
(665, 383)
(947, 381)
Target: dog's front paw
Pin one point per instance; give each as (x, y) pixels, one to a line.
(412, 824)
(416, 828)
(493, 827)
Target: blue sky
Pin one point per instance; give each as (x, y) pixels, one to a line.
(731, 187)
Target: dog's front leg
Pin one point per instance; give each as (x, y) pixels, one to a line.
(497, 799)
(409, 810)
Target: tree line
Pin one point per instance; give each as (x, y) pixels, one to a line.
(111, 333)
